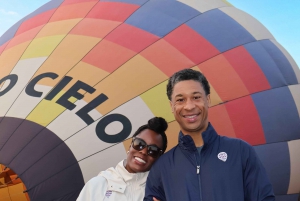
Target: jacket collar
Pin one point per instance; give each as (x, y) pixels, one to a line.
(118, 177)
(186, 142)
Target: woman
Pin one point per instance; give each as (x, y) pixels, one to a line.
(128, 179)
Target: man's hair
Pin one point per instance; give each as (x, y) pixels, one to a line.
(187, 74)
(158, 125)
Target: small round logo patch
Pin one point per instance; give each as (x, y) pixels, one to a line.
(222, 156)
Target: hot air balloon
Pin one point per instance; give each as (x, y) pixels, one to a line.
(78, 77)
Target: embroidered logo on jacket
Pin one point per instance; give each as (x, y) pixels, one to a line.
(108, 193)
(222, 156)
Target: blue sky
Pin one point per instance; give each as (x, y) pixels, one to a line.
(282, 18)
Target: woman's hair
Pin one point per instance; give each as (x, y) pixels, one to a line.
(158, 125)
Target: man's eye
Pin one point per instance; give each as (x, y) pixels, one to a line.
(179, 100)
(197, 97)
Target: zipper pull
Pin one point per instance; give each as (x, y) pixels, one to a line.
(198, 169)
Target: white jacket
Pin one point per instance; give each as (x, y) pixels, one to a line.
(115, 184)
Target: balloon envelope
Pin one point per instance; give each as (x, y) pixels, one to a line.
(79, 77)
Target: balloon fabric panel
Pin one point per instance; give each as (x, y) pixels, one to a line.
(131, 37)
(251, 74)
(159, 17)
(276, 160)
(166, 58)
(279, 123)
(220, 119)
(295, 166)
(36, 21)
(136, 2)
(220, 30)
(266, 63)
(281, 61)
(191, 44)
(294, 90)
(224, 78)
(113, 11)
(245, 120)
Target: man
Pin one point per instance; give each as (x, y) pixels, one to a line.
(204, 166)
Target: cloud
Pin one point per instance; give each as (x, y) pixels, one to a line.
(3, 11)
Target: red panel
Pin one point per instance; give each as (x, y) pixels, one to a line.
(245, 120)
(108, 56)
(26, 36)
(220, 120)
(94, 27)
(167, 58)
(2, 47)
(67, 2)
(131, 37)
(115, 11)
(35, 21)
(224, 78)
(72, 11)
(190, 43)
(248, 70)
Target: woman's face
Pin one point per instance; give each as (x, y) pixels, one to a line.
(140, 161)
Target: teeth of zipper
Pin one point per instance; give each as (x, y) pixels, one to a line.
(198, 169)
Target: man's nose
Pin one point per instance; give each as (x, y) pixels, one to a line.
(189, 104)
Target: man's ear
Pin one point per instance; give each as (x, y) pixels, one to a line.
(171, 105)
(208, 100)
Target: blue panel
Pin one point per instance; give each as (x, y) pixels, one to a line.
(292, 197)
(159, 17)
(220, 30)
(281, 61)
(10, 33)
(137, 2)
(278, 114)
(276, 160)
(267, 64)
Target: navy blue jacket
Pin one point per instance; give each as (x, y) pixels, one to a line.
(238, 177)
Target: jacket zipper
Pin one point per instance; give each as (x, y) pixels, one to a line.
(198, 174)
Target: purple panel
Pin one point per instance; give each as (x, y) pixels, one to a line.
(7, 126)
(42, 160)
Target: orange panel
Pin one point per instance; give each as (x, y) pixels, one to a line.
(67, 2)
(68, 53)
(127, 82)
(220, 120)
(108, 56)
(94, 27)
(58, 28)
(23, 37)
(72, 11)
(166, 57)
(224, 78)
(172, 134)
(2, 47)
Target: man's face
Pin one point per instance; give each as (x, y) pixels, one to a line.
(189, 105)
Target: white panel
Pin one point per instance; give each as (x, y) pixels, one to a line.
(294, 148)
(86, 141)
(204, 5)
(25, 69)
(25, 103)
(93, 165)
(295, 90)
(290, 59)
(253, 26)
(68, 123)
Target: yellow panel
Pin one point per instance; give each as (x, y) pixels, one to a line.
(130, 80)
(69, 52)
(58, 28)
(10, 57)
(4, 196)
(214, 97)
(40, 47)
(16, 192)
(158, 102)
(294, 186)
(47, 111)
(91, 76)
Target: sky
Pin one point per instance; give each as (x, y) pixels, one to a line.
(281, 18)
